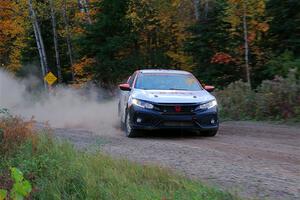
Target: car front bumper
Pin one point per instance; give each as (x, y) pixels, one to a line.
(146, 119)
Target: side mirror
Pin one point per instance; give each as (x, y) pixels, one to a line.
(125, 87)
(209, 88)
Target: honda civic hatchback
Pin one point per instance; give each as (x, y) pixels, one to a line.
(167, 99)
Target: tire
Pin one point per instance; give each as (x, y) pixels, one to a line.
(129, 131)
(210, 133)
(122, 124)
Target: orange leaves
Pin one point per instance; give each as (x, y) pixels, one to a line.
(163, 25)
(221, 58)
(12, 33)
(249, 15)
(82, 69)
(14, 132)
(80, 15)
(6, 23)
(254, 10)
(264, 26)
(251, 37)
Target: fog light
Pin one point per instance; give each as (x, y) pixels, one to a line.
(212, 121)
(138, 120)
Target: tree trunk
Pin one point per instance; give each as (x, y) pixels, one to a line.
(87, 11)
(39, 42)
(84, 7)
(53, 20)
(196, 9)
(68, 37)
(206, 9)
(247, 67)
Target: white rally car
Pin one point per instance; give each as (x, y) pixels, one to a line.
(167, 99)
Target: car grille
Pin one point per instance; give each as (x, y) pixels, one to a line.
(178, 124)
(176, 109)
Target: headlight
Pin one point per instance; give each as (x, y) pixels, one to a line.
(142, 104)
(207, 105)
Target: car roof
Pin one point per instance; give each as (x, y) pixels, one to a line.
(163, 71)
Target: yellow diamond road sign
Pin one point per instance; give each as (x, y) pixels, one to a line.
(50, 78)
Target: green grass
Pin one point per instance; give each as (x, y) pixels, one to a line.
(58, 171)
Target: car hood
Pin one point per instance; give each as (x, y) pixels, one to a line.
(173, 96)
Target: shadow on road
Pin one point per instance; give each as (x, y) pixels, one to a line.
(169, 134)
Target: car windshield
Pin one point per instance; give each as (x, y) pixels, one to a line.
(155, 81)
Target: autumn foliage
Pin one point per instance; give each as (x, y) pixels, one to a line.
(221, 58)
(82, 69)
(14, 132)
(12, 33)
(106, 40)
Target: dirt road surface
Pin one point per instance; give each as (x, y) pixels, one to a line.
(255, 160)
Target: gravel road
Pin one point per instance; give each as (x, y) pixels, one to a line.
(255, 160)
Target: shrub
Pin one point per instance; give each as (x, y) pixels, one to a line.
(277, 99)
(14, 132)
(236, 101)
(6, 183)
(15, 186)
(4, 113)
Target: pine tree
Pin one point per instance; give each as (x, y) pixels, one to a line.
(284, 33)
(210, 47)
(109, 40)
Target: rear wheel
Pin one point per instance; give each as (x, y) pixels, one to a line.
(130, 132)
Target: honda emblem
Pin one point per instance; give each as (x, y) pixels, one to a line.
(178, 108)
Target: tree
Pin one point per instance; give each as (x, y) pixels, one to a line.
(246, 44)
(161, 30)
(13, 26)
(150, 35)
(281, 65)
(109, 41)
(284, 33)
(210, 46)
(175, 18)
(196, 4)
(57, 59)
(68, 36)
(39, 41)
(248, 25)
(84, 8)
(57, 41)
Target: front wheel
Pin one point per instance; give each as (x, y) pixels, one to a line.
(130, 132)
(122, 124)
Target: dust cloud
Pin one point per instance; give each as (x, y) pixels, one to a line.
(63, 108)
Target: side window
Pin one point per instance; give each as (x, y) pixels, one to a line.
(131, 79)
